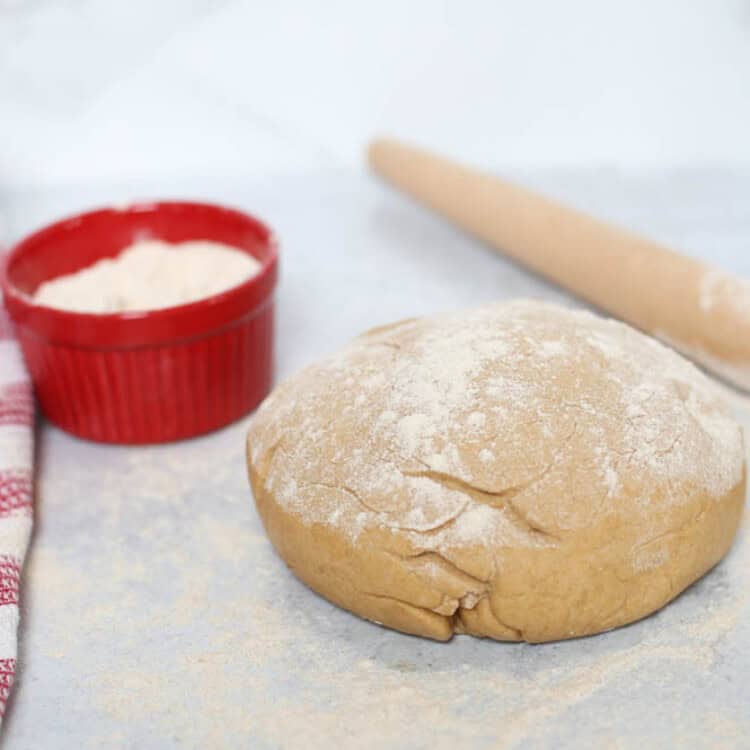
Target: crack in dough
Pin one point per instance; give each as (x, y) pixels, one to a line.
(502, 499)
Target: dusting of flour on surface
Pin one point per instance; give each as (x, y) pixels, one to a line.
(522, 397)
(150, 275)
(188, 629)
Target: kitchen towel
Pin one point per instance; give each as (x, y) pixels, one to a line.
(16, 482)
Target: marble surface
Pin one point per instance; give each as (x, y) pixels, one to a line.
(156, 615)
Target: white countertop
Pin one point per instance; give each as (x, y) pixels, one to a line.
(156, 614)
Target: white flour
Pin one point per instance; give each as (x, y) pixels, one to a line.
(150, 275)
(718, 288)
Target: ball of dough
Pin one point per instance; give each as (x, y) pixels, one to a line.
(518, 471)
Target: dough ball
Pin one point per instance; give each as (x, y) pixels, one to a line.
(518, 471)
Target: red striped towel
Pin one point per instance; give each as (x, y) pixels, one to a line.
(16, 457)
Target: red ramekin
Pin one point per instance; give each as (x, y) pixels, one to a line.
(153, 376)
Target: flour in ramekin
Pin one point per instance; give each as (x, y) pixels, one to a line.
(150, 275)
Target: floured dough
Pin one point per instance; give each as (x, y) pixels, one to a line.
(517, 471)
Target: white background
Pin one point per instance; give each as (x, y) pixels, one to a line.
(113, 90)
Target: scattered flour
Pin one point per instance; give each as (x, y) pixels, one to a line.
(486, 456)
(552, 348)
(720, 289)
(726, 298)
(476, 419)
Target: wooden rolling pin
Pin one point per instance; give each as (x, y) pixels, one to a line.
(692, 306)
